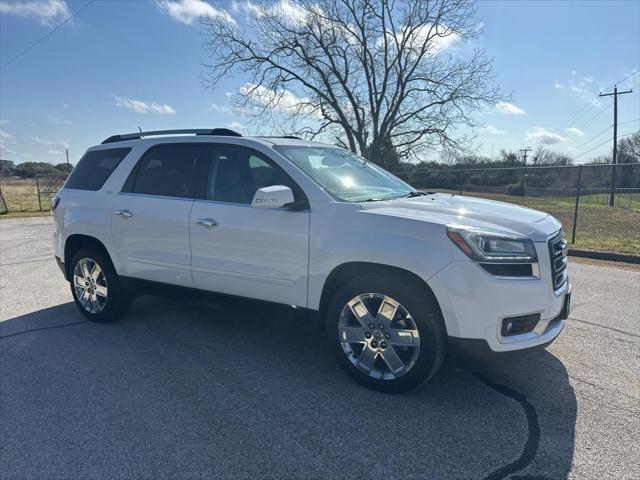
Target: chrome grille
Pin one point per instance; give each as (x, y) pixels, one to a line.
(558, 256)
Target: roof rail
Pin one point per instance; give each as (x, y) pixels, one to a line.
(196, 131)
(290, 137)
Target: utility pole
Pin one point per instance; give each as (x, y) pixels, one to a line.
(524, 153)
(67, 150)
(524, 160)
(614, 94)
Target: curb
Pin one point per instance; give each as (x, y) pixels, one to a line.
(603, 255)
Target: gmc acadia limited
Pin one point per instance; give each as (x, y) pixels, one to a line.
(400, 277)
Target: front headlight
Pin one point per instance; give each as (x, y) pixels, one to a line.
(484, 245)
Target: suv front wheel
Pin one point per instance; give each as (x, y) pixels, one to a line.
(387, 333)
(96, 287)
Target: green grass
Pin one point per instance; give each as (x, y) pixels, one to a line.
(629, 201)
(21, 196)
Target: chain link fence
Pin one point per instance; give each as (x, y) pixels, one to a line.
(598, 205)
(19, 195)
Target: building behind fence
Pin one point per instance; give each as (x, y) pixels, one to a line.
(598, 205)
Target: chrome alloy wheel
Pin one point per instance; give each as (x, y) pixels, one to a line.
(90, 285)
(379, 336)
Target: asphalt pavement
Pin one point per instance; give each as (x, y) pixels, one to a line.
(182, 389)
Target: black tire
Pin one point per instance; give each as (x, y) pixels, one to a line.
(117, 302)
(422, 308)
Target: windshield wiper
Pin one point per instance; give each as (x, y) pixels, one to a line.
(416, 193)
(375, 199)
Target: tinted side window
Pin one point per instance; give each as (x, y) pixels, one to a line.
(94, 168)
(167, 170)
(236, 173)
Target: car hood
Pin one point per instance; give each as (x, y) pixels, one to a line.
(469, 211)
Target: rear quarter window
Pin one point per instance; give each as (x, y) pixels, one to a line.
(94, 168)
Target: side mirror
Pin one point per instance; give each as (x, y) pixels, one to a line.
(275, 196)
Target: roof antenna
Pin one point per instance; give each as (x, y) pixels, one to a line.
(141, 135)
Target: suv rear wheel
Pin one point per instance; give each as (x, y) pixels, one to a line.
(96, 287)
(387, 333)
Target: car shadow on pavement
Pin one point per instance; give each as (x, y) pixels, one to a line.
(182, 390)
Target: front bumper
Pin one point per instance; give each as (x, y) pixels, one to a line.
(470, 353)
(474, 304)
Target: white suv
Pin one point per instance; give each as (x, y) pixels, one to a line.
(401, 278)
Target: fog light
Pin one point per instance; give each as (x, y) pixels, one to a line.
(519, 324)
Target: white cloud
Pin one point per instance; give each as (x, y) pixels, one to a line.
(494, 130)
(544, 137)
(284, 9)
(189, 11)
(220, 108)
(3, 121)
(438, 41)
(557, 84)
(575, 131)
(581, 86)
(64, 105)
(55, 152)
(139, 106)
(238, 127)
(47, 12)
(509, 108)
(53, 118)
(50, 143)
(284, 101)
(6, 137)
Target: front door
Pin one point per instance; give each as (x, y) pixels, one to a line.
(240, 250)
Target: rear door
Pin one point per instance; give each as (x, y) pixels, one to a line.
(151, 215)
(240, 250)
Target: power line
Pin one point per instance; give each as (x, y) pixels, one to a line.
(620, 81)
(594, 137)
(630, 121)
(576, 116)
(583, 110)
(592, 149)
(600, 144)
(53, 30)
(582, 125)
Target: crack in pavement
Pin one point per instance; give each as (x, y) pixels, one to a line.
(32, 330)
(20, 262)
(573, 319)
(533, 438)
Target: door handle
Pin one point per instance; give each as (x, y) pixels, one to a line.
(123, 213)
(207, 222)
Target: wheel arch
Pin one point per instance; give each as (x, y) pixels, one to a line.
(78, 241)
(346, 271)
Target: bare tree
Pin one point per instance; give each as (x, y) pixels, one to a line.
(373, 74)
(629, 149)
(543, 156)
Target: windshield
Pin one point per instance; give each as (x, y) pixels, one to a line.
(344, 175)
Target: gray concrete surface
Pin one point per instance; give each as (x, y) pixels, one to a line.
(182, 390)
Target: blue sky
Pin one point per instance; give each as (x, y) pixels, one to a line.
(122, 64)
